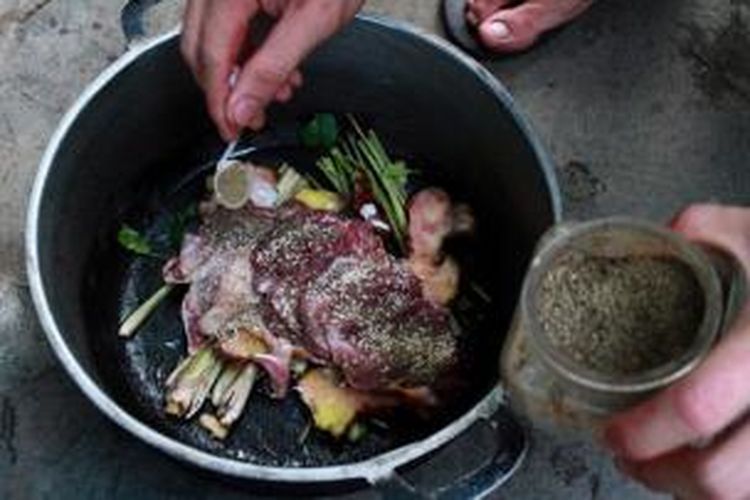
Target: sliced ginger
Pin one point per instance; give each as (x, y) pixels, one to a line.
(334, 407)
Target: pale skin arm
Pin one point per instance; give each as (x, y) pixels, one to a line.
(693, 439)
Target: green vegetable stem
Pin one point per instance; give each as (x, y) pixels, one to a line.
(137, 317)
(363, 154)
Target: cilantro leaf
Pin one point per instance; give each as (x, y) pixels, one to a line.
(132, 240)
(320, 132)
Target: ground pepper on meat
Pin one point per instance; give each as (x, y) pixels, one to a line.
(375, 306)
(620, 316)
(322, 283)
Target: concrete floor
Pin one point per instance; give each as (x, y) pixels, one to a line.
(642, 106)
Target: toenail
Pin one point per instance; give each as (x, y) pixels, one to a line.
(499, 29)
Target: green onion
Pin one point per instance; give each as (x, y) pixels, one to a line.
(364, 154)
(339, 170)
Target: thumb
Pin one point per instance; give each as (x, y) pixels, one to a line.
(727, 228)
(302, 26)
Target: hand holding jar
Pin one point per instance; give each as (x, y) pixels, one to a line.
(693, 438)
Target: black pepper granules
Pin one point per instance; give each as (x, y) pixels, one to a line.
(620, 315)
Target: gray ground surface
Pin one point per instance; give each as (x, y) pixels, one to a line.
(643, 106)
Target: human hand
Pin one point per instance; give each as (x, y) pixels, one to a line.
(655, 442)
(214, 42)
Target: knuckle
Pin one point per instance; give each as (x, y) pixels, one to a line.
(693, 218)
(209, 59)
(329, 5)
(330, 12)
(695, 410)
(271, 75)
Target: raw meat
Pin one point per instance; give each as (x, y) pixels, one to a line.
(315, 285)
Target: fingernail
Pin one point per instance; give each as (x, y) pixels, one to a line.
(499, 30)
(244, 110)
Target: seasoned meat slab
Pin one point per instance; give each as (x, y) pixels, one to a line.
(317, 283)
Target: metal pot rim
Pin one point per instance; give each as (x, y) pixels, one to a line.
(372, 470)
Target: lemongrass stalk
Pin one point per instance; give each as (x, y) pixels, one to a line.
(290, 183)
(235, 398)
(226, 379)
(137, 317)
(214, 426)
(189, 384)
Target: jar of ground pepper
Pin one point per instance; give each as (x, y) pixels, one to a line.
(611, 311)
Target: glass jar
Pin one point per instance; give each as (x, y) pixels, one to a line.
(552, 389)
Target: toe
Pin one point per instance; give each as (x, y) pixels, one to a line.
(479, 10)
(510, 30)
(517, 28)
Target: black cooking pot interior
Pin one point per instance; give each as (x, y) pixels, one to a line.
(138, 152)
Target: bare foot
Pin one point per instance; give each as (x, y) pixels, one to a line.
(511, 26)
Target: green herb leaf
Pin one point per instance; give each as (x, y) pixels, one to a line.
(329, 130)
(320, 132)
(132, 240)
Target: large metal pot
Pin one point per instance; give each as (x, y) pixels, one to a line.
(143, 118)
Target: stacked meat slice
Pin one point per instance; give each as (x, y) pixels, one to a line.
(271, 285)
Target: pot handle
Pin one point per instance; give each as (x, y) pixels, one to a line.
(131, 20)
(511, 444)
